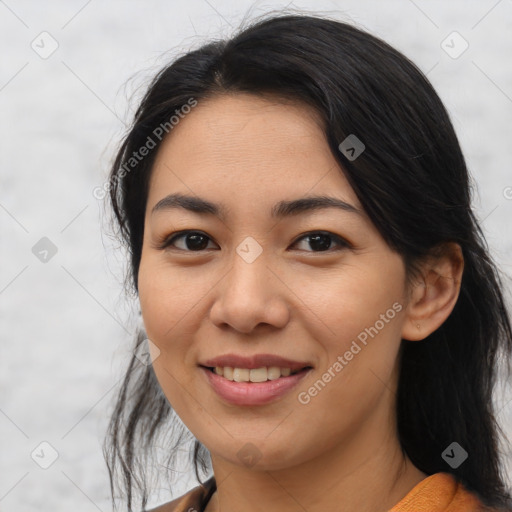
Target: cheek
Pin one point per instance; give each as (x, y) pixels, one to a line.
(163, 310)
(351, 300)
(162, 307)
(361, 313)
(166, 297)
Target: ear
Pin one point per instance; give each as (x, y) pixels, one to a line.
(434, 294)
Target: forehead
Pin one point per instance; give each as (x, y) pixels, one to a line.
(245, 147)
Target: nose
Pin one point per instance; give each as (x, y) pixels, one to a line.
(250, 295)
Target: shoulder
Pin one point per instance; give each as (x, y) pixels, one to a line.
(194, 500)
(441, 492)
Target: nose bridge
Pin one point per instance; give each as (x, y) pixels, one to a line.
(249, 270)
(249, 294)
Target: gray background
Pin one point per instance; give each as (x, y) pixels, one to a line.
(65, 324)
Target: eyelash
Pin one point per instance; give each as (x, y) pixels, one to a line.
(167, 241)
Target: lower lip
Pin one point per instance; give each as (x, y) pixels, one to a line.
(253, 393)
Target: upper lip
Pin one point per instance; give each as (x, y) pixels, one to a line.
(255, 361)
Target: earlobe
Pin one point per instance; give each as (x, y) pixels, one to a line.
(434, 294)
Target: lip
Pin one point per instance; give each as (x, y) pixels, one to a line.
(253, 393)
(255, 361)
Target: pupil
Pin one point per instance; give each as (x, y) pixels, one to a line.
(314, 241)
(196, 241)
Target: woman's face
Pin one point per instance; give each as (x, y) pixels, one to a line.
(247, 282)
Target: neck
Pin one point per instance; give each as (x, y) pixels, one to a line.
(368, 473)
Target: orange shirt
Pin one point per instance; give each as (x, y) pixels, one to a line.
(439, 492)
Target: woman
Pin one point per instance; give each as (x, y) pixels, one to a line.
(318, 300)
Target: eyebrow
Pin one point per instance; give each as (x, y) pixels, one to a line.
(279, 210)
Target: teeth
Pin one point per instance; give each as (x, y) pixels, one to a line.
(274, 372)
(241, 374)
(258, 374)
(252, 375)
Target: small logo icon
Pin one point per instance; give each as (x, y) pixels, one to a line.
(44, 45)
(147, 352)
(454, 455)
(44, 455)
(44, 250)
(454, 45)
(249, 249)
(249, 454)
(99, 193)
(352, 147)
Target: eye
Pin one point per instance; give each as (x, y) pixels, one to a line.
(321, 240)
(195, 241)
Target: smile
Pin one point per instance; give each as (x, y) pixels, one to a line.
(253, 375)
(252, 392)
